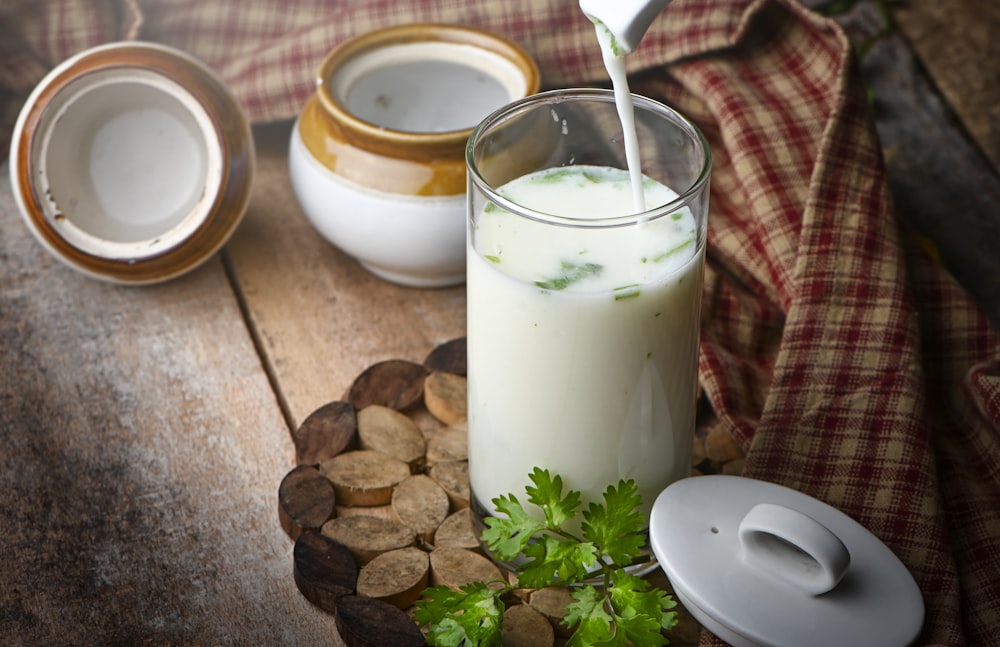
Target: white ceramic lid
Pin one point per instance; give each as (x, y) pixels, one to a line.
(761, 564)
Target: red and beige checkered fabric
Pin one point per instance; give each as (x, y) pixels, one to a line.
(846, 362)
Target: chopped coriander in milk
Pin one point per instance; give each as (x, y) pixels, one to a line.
(572, 272)
(589, 259)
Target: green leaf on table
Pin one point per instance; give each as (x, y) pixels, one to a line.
(507, 536)
(624, 612)
(587, 612)
(469, 616)
(617, 525)
(547, 494)
(555, 561)
(641, 613)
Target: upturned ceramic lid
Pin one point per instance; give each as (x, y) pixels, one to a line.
(132, 162)
(761, 564)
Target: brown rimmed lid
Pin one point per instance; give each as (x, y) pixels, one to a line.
(132, 162)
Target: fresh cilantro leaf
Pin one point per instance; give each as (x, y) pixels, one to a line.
(507, 536)
(470, 616)
(547, 494)
(555, 561)
(617, 525)
(638, 630)
(592, 621)
(640, 612)
(625, 612)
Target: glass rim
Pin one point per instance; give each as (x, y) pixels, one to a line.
(603, 96)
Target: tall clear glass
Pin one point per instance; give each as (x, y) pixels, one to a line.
(583, 314)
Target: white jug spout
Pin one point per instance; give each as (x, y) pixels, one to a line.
(627, 20)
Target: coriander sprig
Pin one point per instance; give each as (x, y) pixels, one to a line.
(623, 611)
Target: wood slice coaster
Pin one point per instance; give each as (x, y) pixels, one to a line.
(306, 500)
(323, 570)
(367, 622)
(378, 504)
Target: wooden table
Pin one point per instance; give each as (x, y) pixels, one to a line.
(144, 431)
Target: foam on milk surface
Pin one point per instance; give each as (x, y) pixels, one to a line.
(587, 258)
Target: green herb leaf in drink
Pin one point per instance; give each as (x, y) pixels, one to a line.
(556, 175)
(659, 258)
(627, 291)
(571, 273)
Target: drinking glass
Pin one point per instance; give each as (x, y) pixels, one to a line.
(583, 303)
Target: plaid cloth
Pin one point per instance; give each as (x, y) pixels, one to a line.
(844, 360)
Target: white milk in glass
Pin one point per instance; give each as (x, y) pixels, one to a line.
(583, 340)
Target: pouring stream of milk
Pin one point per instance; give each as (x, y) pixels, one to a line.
(620, 26)
(615, 65)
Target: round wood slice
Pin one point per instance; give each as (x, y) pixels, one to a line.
(324, 570)
(421, 505)
(306, 500)
(397, 577)
(525, 627)
(734, 467)
(446, 396)
(720, 446)
(449, 444)
(698, 449)
(384, 511)
(428, 424)
(394, 383)
(364, 477)
(388, 431)
(449, 357)
(457, 531)
(552, 602)
(456, 567)
(367, 622)
(326, 432)
(453, 477)
(368, 537)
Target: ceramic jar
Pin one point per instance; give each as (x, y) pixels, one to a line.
(377, 155)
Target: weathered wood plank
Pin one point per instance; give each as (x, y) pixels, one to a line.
(320, 318)
(944, 188)
(141, 449)
(958, 43)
